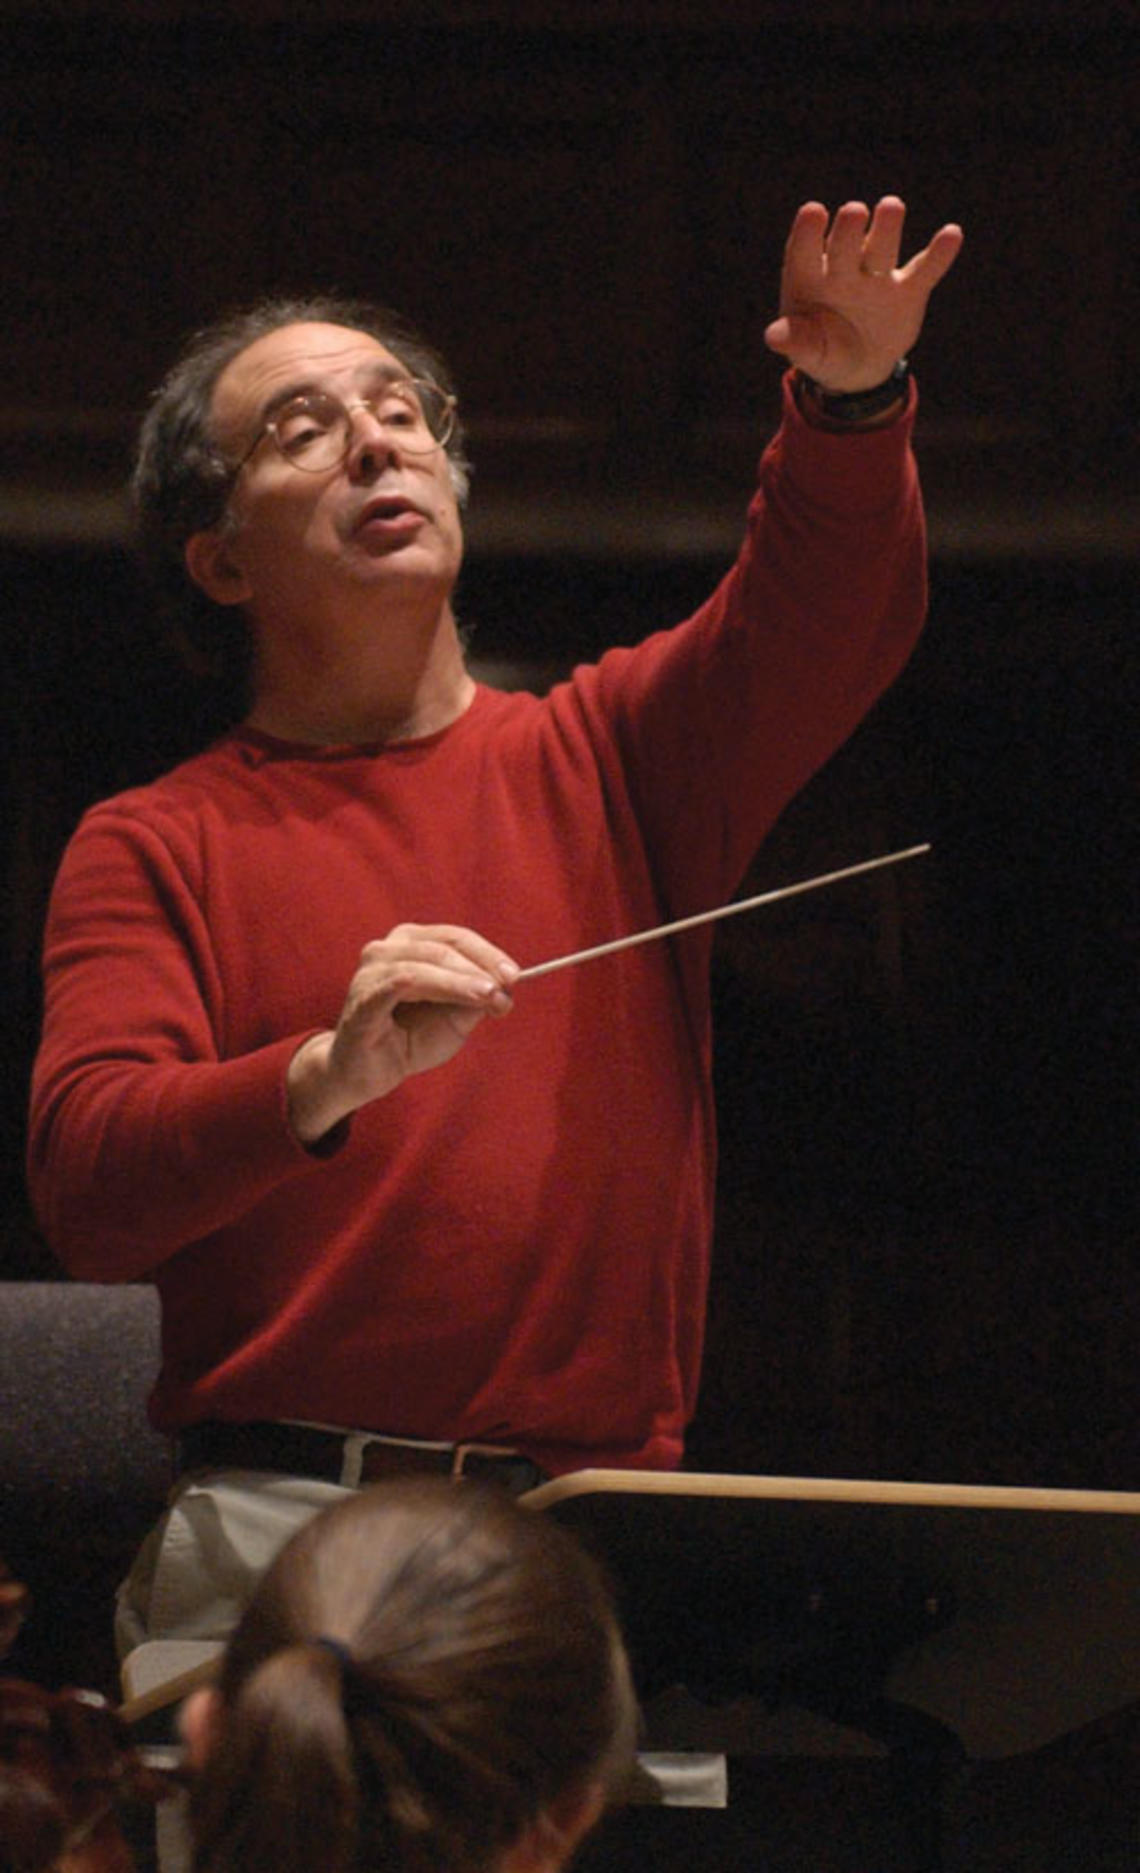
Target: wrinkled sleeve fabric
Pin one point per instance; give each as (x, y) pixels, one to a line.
(720, 722)
(142, 1136)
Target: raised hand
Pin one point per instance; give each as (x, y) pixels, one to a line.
(848, 310)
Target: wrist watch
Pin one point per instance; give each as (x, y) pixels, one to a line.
(856, 406)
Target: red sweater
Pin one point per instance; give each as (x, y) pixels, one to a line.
(514, 1247)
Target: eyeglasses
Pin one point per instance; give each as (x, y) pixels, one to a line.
(314, 431)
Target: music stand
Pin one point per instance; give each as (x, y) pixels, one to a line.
(947, 1622)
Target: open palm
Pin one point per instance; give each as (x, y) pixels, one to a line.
(848, 310)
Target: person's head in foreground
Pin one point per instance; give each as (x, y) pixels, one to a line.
(429, 1677)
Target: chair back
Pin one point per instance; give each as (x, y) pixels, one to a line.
(82, 1472)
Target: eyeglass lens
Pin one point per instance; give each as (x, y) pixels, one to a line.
(315, 431)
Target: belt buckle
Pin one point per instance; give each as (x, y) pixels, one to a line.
(461, 1452)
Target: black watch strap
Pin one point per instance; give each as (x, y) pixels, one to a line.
(857, 406)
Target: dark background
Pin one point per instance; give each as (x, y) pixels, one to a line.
(926, 1257)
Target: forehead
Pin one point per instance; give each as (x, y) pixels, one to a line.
(294, 355)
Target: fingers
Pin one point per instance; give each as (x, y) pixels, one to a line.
(804, 248)
(935, 260)
(437, 963)
(415, 997)
(432, 983)
(820, 245)
(879, 242)
(859, 240)
(409, 1016)
(845, 241)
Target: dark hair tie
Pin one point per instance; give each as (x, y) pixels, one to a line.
(338, 1649)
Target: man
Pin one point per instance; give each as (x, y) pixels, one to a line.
(393, 1200)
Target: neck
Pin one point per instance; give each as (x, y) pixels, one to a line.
(386, 686)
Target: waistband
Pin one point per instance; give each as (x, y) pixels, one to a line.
(347, 1457)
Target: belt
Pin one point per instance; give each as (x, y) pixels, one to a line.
(347, 1457)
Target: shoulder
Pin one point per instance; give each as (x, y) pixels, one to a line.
(165, 811)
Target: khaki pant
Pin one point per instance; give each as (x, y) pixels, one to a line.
(197, 1570)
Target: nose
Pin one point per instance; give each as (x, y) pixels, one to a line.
(371, 443)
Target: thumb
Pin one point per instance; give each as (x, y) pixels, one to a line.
(802, 341)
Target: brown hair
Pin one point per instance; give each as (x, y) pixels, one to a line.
(425, 1670)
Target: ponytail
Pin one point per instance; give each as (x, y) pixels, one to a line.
(477, 1678)
(281, 1796)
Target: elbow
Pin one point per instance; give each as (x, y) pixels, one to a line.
(91, 1236)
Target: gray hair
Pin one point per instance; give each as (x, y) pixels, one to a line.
(181, 482)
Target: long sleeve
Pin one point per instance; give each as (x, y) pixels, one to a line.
(720, 722)
(143, 1136)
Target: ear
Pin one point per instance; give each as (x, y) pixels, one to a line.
(199, 1721)
(214, 566)
(549, 1842)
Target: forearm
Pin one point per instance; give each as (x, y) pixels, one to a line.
(828, 597)
(129, 1161)
(756, 691)
(833, 572)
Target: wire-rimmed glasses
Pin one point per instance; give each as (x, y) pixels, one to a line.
(314, 430)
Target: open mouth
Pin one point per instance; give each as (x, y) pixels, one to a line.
(388, 510)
